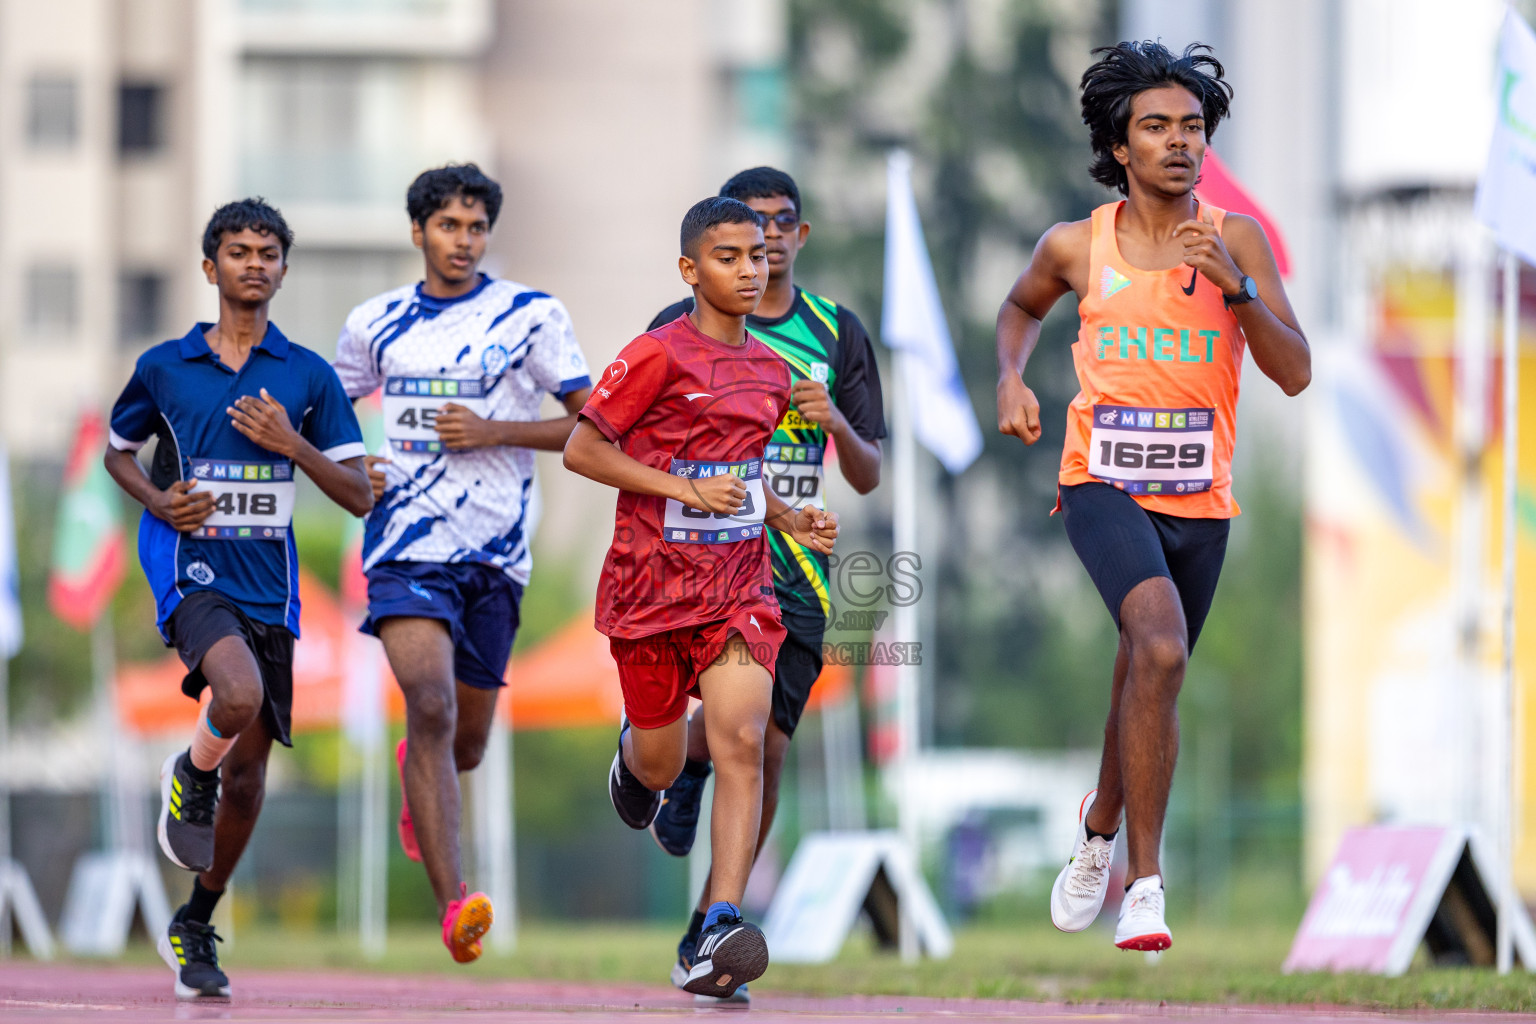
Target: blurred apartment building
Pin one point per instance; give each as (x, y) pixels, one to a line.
(124, 123)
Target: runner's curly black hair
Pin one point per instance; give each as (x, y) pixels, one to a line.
(1129, 68)
(254, 213)
(432, 190)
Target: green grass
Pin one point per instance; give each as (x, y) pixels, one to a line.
(1208, 965)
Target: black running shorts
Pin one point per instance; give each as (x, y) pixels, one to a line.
(798, 665)
(1121, 544)
(206, 617)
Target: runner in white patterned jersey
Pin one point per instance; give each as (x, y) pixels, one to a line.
(465, 362)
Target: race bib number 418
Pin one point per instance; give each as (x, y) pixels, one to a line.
(684, 525)
(251, 500)
(1152, 451)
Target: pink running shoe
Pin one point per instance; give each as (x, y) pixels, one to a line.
(468, 918)
(407, 826)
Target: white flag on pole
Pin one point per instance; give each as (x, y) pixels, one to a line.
(10, 588)
(912, 322)
(1506, 193)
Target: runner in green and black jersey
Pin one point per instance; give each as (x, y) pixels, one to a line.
(835, 403)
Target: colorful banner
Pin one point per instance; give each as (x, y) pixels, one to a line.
(89, 549)
(1403, 713)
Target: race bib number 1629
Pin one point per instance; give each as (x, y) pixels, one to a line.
(1152, 451)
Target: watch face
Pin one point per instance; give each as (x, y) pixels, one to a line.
(1251, 287)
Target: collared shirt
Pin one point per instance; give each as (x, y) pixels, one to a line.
(497, 350)
(179, 392)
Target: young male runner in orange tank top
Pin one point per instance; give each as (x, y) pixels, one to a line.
(1170, 291)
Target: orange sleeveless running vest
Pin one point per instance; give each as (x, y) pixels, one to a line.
(1159, 357)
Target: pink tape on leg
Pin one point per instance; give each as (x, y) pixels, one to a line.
(208, 748)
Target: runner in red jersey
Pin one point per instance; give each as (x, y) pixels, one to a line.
(679, 423)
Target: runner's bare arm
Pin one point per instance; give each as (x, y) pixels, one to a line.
(461, 429)
(179, 505)
(1274, 336)
(593, 456)
(265, 421)
(1047, 278)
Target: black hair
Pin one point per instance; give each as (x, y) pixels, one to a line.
(1129, 68)
(255, 214)
(761, 183)
(710, 213)
(432, 189)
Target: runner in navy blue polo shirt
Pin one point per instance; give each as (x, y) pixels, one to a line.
(237, 409)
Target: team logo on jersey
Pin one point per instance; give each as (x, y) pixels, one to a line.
(494, 360)
(200, 573)
(617, 371)
(820, 372)
(1111, 281)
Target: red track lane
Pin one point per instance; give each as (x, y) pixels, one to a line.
(116, 995)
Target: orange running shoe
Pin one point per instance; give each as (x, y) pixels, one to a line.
(407, 826)
(468, 918)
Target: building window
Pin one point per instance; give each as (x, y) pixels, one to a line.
(141, 304)
(52, 111)
(140, 119)
(51, 299)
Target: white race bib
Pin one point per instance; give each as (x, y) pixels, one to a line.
(251, 500)
(684, 525)
(1152, 451)
(794, 472)
(411, 405)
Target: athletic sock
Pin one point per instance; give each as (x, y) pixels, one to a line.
(719, 910)
(208, 747)
(698, 769)
(1108, 837)
(696, 924)
(212, 775)
(200, 906)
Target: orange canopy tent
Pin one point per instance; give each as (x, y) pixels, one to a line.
(566, 680)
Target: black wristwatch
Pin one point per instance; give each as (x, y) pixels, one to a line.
(1247, 291)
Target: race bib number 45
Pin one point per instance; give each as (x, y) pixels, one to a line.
(1152, 451)
(411, 405)
(251, 500)
(684, 525)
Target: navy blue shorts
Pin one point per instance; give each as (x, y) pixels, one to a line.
(478, 604)
(1121, 544)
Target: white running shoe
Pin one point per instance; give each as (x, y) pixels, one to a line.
(1141, 917)
(1078, 895)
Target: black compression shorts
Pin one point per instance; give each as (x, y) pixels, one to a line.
(1121, 544)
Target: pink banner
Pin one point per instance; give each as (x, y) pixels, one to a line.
(1372, 896)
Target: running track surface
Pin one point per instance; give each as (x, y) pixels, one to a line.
(113, 995)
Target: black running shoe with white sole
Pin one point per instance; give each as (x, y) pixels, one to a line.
(188, 949)
(636, 805)
(730, 954)
(186, 814)
(677, 820)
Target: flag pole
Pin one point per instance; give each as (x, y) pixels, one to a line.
(905, 625)
(1506, 838)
